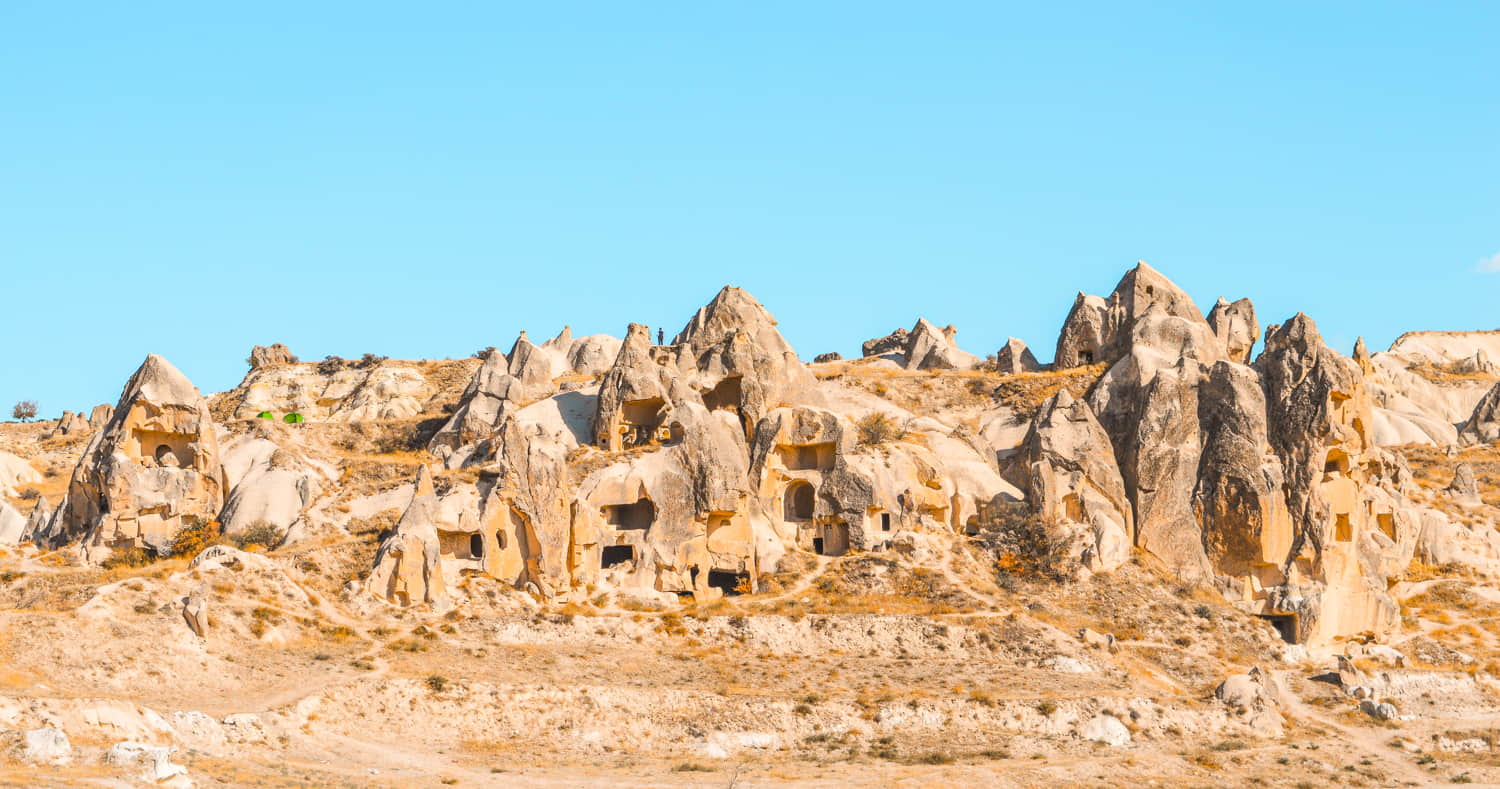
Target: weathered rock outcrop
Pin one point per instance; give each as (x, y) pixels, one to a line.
(1014, 357)
(895, 342)
(931, 348)
(1483, 425)
(1100, 330)
(1239, 499)
(152, 469)
(407, 567)
(268, 355)
(1235, 326)
(1074, 480)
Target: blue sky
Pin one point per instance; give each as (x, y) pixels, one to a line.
(425, 179)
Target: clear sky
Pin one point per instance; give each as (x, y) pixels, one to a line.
(425, 179)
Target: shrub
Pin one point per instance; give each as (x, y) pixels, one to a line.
(25, 410)
(437, 682)
(260, 533)
(29, 494)
(195, 535)
(129, 557)
(1025, 544)
(691, 767)
(877, 428)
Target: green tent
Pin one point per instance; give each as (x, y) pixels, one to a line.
(292, 418)
(265, 415)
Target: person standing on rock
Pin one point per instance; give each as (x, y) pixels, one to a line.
(661, 337)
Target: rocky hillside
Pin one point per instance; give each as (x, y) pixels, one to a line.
(1191, 551)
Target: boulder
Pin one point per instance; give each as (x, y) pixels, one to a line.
(12, 524)
(1107, 730)
(1464, 488)
(268, 355)
(833, 356)
(16, 473)
(195, 613)
(46, 746)
(150, 763)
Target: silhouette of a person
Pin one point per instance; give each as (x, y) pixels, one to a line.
(661, 337)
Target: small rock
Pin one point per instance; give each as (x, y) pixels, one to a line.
(1106, 729)
(37, 746)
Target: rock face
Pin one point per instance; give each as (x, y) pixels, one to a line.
(895, 342)
(1099, 330)
(1235, 326)
(1014, 357)
(151, 470)
(266, 356)
(931, 348)
(16, 473)
(338, 390)
(1265, 481)
(1483, 425)
(832, 356)
(12, 525)
(1073, 479)
(37, 746)
(407, 568)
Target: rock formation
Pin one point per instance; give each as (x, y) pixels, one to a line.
(895, 342)
(931, 348)
(265, 356)
(1014, 357)
(407, 568)
(1235, 326)
(151, 470)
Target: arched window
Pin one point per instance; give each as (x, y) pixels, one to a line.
(797, 504)
(476, 545)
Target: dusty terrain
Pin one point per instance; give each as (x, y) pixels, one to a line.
(423, 573)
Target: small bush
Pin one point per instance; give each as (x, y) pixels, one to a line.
(436, 683)
(195, 535)
(260, 533)
(1025, 544)
(877, 428)
(129, 557)
(1046, 707)
(29, 494)
(692, 767)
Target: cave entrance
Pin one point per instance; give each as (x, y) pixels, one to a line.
(726, 396)
(797, 502)
(1285, 625)
(639, 515)
(639, 422)
(611, 555)
(727, 582)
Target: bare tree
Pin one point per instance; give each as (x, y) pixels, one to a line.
(24, 410)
